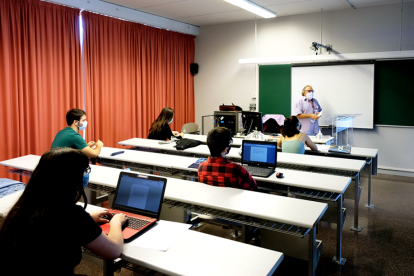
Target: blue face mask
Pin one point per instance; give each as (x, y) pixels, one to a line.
(171, 121)
(85, 180)
(84, 124)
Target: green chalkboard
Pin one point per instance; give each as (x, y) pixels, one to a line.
(274, 89)
(394, 92)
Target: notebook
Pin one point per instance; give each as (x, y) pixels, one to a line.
(259, 158)
(139, 197)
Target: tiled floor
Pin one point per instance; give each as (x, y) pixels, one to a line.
(384, 247)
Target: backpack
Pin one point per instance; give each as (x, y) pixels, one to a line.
(185, 143)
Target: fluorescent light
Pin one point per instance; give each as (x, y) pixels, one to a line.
(252, 7)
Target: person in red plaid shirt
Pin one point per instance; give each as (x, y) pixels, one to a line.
(218, 170)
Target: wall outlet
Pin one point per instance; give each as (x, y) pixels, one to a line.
(254, 96)
(252, 107)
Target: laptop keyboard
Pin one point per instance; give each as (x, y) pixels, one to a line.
(258, 171)
(135, 223)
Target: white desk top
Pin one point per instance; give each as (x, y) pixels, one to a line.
(197, 253)
(355, 151)
(191, 252)
(287, 158)
(265, 206)
(321, 182)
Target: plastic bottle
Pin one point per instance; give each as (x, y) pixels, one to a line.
(319, 136)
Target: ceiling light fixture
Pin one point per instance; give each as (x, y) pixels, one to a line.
(252, 7)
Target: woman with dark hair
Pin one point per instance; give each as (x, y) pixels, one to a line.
(44, 231)
(160, 129)
(292, 140)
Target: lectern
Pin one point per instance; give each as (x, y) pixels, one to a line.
(342, 128)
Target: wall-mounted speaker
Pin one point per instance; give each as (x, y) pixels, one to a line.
(193, 68)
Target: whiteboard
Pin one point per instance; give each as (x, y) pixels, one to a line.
(340, 89)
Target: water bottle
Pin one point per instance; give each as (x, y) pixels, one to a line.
(319, 136)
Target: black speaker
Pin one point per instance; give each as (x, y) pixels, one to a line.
(193, 68)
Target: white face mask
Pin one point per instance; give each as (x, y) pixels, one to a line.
(309, 96)
(84, 124)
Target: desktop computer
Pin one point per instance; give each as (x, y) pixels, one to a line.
(229, 119)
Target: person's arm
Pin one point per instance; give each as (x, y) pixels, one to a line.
(309, 143)
(110, 247)
(305, 116)
(279, 143)
(93, 153)
(246, 180)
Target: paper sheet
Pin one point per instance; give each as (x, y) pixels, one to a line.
(323, 147)
(162, 236)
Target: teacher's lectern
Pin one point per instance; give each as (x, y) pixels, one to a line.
(342, 128)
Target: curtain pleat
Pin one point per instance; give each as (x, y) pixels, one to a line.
(132, 72)
(40, 74)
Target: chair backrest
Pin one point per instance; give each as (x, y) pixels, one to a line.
(190, 128)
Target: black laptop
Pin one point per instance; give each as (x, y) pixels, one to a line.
(259, 158)
(139, 197)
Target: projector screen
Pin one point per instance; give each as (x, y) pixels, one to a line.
(340, 89)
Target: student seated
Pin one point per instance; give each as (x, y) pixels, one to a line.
(69, 136)
(160, 129)
(292, 140)
(218, 170)
(44, 231)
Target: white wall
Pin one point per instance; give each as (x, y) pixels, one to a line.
(222, 80)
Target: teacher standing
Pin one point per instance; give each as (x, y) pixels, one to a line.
(306, 110)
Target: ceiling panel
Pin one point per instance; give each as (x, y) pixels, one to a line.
(208, 12)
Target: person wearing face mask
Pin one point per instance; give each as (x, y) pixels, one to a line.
(220, 171)
(307, 109)
(70, 138)
(292, 140)
(160, 129)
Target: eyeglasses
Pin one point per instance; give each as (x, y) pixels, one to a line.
(310, 91)
(230, 142)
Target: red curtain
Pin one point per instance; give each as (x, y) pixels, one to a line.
(40, 75)
(132, 71)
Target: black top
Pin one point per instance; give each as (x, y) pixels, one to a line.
(165, 134)
(54, 248)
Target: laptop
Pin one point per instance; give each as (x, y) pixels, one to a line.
(139, 197)
(259, 158)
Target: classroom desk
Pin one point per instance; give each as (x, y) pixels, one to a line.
(190, 253)
(367, 154)
(269, 209)
(312, 186)
(237, 142)
(283, 159)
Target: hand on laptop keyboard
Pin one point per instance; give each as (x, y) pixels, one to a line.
(119, 218)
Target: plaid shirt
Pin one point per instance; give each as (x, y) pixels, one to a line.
(219, 171)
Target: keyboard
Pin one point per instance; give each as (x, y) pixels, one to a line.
(259, 171)
(134, 223)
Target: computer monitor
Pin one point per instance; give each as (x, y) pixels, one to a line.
(252, 121)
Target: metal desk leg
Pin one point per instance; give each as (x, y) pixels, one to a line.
(369, 205)
(108, 268)
(339, 224)
(311, 251)
(355, 227)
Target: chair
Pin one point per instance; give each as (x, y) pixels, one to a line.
(191, 128)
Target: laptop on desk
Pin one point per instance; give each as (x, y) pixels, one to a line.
(140, 198)
(259, 158)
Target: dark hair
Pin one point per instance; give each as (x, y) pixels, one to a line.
(164, 118)
(74, 114)
(218, 139)
(289, 127)
(55, 186)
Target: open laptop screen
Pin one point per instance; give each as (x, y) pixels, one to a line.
(139, 193)
(263, 153)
